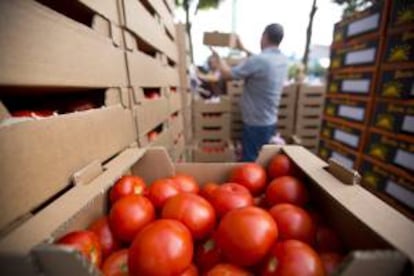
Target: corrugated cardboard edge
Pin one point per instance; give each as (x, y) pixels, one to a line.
(388, 223)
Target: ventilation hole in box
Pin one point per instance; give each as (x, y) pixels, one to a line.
(168, 7)
(171, 62)
(30, 102)
(152, 93)
(211, 128)
(169, 35)
(145, 47)
(148, 7)
(314, 95)
(72, 9)
(312, 105)
(153, 134)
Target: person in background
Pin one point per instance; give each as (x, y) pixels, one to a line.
(211, 81)
(263, 75)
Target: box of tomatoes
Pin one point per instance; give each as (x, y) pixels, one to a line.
(144, 215)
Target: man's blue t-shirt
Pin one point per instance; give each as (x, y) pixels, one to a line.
(263, 76)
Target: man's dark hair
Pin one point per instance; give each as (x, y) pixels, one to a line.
(274, 33)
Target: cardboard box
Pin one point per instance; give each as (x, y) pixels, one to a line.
(347, 109)
(401, 14)
(179, 148)
(174, 99)
(234, 88)
(220, 39)
(52, 150)
(207, 120)
(176, 124)
(393, 188)
(373, 239)
(397, 118)
(356, 54)
(163, 138)
(348, 158)
(167, 18)
(360, 83)
(289, 96)
(108, 8)
(399, 47)
(391, 150)
(215, 151)
(41, 47)
(144, 25)
(370, 21)
(397, 84)
(148, 113)
(221, 132)
(206, 106)
(348, 135)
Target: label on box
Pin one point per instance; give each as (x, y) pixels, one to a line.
(397, 84)
(356, 86)
(404, 159)
(361, 56)
(397, 118)
(408, 124)
(351, 112)
(399, 47)
(364, 25)
(400, 193)
(346, 138)
(343, 159)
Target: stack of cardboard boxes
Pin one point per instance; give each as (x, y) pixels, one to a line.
(211, 120)
(234, 91)
(300, 113)
(368, 122)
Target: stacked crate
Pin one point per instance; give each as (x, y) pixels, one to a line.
(211, 122)
(355, 58)
(152, 61)
(184, 64)
(234, 91)
(387, 167)
(287, 111)
(68, 59)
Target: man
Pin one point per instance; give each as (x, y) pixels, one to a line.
(263, 76)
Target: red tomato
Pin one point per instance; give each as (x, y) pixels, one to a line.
(207, 190)
(86, 242)
(245, 235)
(127, 185)
(116, 264)
(190, 271)
(293, 223)
(152, 136)
(280, 165)
(129, 215)
(286, 189)
(227, 269)
(164, 247)
(230, 196)
(327, 240)
(293, 257)
(161, 190)
(32, 113)
(208, 254)
(107, 240)
(250, 175)
(331, 261)
(186, 183)
(193, 211)
(80, 105)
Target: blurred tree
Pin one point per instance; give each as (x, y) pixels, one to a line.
(352, 6)
(201, 5)
(309, 35)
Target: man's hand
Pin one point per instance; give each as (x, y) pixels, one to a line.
(240, 46)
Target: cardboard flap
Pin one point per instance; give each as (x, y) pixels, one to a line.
(88, 173)
(345, 175)
(359, 202)
(378, 263)
(164, 166)
(58, 260)
(101, 25)
(4, 113)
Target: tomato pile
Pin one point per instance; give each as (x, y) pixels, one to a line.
(258, 223)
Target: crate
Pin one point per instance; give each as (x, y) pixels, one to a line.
(386, 148)
(401, 14)
(398, 47)
(53, 149)
(159, 136)
(208, 106)
(143, 24)
(393, 188)
(174, 99)
(396, 84)
(368, 22)
(220, 131)
(347, 157)
(220, 39)
(349, 109)
(176, 124)
(396, 118)
(352, 83)
(356, 54)
(344, 133)
(41, 47)
(234, 88)
(178, 150)
(310, 104)
(213, 151)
